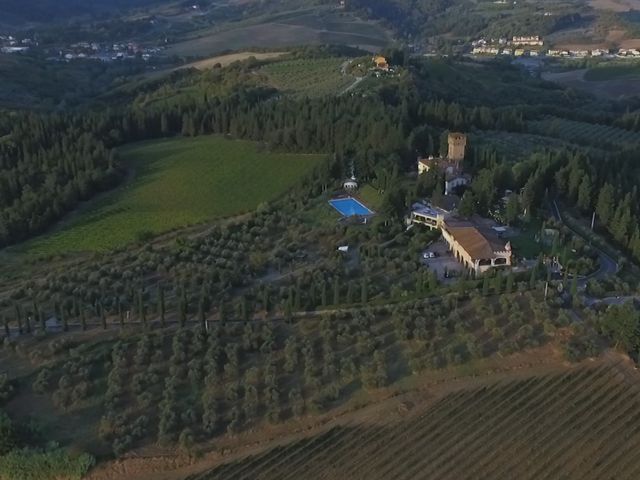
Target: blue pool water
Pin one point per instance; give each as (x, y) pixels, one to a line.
(349, 207)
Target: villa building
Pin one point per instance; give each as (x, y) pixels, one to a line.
(477, 248)
(427, 215)
(381, 63)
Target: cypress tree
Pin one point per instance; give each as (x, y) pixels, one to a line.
(161, 306)
(364, 291)
(201, 314)
(103, 316)
(83, 318)
(65, 320)
(183, 311)
(323, 294)
(510, 282)
(19, 318)
(142, 314)
(120, 311)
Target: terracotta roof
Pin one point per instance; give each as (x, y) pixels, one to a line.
(477, 244)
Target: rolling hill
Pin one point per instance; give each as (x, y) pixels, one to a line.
(16, 12)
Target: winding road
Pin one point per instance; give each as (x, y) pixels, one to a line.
(608, 266)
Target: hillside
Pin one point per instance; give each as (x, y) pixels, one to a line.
(17, 12)
(572, 424)
(241, 268)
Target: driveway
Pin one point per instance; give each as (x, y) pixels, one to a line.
(443, 263)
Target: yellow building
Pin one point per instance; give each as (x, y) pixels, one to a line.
(381, 63)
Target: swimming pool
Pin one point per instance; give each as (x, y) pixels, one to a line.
(349, 207)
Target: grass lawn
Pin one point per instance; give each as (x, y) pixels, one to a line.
(370, 197)
(525, 244)
(178, 182)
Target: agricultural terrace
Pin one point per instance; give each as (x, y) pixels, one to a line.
(581, 424)
(178, 182)
(309, 77)
(583, 133)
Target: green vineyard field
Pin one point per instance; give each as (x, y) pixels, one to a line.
(602, 136)
(308, 77)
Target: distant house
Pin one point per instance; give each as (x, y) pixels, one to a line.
(425, 164)
(381, 63)
(532, 41)
(485, 50)
(579, 53)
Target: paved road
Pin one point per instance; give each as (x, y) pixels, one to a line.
(355, 83)
(608, 266)
(620, 300)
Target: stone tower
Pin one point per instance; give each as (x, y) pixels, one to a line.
(457, 146)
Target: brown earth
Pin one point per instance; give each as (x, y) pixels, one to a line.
(615, 5)
(401, 400)
(225, 60)
(615, 38)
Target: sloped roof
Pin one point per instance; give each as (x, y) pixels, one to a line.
(477, 244)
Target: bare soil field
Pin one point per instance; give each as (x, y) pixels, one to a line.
(615, 5)
(377, 411)
(630, 43)
(288, 29)
(225, 60)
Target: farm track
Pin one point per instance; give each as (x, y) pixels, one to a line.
(580, 424)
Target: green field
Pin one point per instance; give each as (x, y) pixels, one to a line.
(177, 182)
(371, 197)
(308, 77)
(612, 72)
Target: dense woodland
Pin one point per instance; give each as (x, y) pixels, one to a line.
(48, 164)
